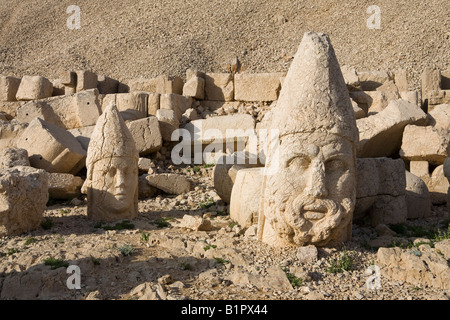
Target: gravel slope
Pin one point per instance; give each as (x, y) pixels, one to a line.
(147, 38)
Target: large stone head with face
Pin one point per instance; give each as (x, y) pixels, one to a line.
(112, 169)
(310, 197)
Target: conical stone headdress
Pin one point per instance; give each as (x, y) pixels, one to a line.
(314, 96)
(111, 138)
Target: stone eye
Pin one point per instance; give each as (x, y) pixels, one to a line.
(112, 171)
(299, 162)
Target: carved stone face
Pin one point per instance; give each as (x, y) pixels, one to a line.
(311, 198)
(114, 184)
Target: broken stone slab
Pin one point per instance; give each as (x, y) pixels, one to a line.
(438, 97)
(443, 247)
(145, 190)
(244, 206)
(438, 186)
(178, 103)
(431, 81)
(69, 78)
(64, 186)
(219, 86)
(425, 144)
(132, 106)
(9, 132)
(257, 86)
(146, 135)
(12, 157)
(195, 223)
(351, 78)
(439, 117)
(359, 113)
(83, 135)
(381, 134)
(153, 103)
(307, 254)
(418, 199)
(86, 80)
(169, 183)
(24, 198)
(401, 80)
(8, 88)
(59, 89)
(52, 148)
(138, 84)
(107, 85)
(410, 96)
(164, 85)
(194, 87)
(9, 108)
(371, 80)
(168, 123)
(34, 88)
(73, 111)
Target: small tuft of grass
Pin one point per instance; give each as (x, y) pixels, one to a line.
(233, 224)
(221, 261)
(11, 251)
(207, 203)
(64, 211)
(441, 235)
(126, 250)
(209, 165)
(145, 236)
(196, 169)
(29, 241)
(294, 281)
(47, 223)
(209, 246)
(55, 263)
(185, 266)
(95, 261)
(162, 222)
(343, 263)
(124, 225)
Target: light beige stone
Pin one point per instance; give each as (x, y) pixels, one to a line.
(195, 87)
(83, 135)
(112, 169)
(443, 247)
(381, 134)
(169, 183)
(145, 189)
(438, 97)
(178, 103)
(401, 80)
(219, 87)
(153, 103)
(168, 123)
(359, 113)
(8, 88)
(410, 96)
(24, 195)
(431, 81)
(302, 201)
(86, 80)
(351, 78)
(164, 85)
(69, 78)
(141, 84)
(244, 205)
(33, 88)
(132, 106)
(195, 223)
(52, 148)
(439, 117)
(107, 85)
(371, 80)
(146, 135)
(420, 169)
(9, 132)
(12, 157)
(438, 186)
(425, 143)
(64, 186)
(418, 199)
(10, 108)
(257, 86)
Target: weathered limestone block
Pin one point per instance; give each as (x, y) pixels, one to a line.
(315, 119)
(431, 81)
(195, 223)
(146, 135)
(139, 84)
(438, 186)
(371, 80)
(380, 100)
(257, 86)
(418, 199)
(168, 123)
(83, 135)
(107, 85)
(425, 144)
(439, 117)
(59, 89)
(164, 85)
(145, 190)
(9, 132)
(425, 269)
(78, 110)
(52, 148)
(215, 105)
(381, 134)
(9, 108)
(438, 97)
(219, 87)
(64, 185)
(359, 113)
(194, 87)
(33, 88)
(351, 78)
(153, 103)
(178, 103)
(12, 157)
(244, 206)
(69, 78)
(169, 183)
(112, 169)
(443, 247)
(401, 80)
(420, 169)
(24, 195)
(132, 106)
(86, 80)
(8, 88)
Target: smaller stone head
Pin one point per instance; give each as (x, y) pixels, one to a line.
(112, 169)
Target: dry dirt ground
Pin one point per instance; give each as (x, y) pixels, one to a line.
(155, 258)
(138, 38)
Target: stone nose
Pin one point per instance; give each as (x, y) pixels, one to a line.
(317, 184)
(120, 179)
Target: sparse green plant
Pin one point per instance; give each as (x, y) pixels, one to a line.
(145, 236)
(207, 203)
(185, 266)
(64, 211)
(126, 224)
(341, 264)
(95, 261)
(233, 224)
(163, 222)
(11, 251)
(98, 224)
(47, 223)
(126, 250)
(29, 241)
(221, 213)
(441, 235)
(418, 244)
(209, 246)
(55, 263)
(294, 281)
(60, 240)
(209, 165)
(221, 261)
(196, 169)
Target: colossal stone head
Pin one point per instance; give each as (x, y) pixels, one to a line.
(311, 196)
(112, 169)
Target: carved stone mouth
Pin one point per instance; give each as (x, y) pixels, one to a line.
(313, 215)
(314, 211)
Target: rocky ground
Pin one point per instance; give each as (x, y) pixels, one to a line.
(156, 257)
(147, 38)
